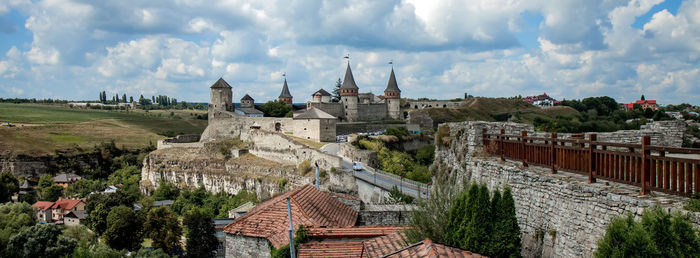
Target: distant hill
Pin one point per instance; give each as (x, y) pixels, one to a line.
(495, 109)
(44, 129)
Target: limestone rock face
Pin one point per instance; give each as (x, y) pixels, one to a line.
(194, 167)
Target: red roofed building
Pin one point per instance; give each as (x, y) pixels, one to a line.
(54, 211)
(43, 210)
(427, 248)
(644, 104)
(266, 225)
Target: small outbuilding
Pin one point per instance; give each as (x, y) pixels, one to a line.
(315, 125)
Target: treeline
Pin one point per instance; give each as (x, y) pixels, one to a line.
(33, 100)
(599, 114)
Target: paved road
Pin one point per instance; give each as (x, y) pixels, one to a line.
(379, 180)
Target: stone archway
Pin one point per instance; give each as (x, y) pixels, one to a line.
(278, 127)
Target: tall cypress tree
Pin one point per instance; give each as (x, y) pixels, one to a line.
(452, 236)
(496, 227)
(477, 227)
(510, 231)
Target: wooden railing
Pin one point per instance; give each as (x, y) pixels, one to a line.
(620, 162)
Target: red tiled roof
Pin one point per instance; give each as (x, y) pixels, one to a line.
(427, 248)
(378, 247)
(352, 232)
(330, 249)
(310, 207)
(42, 205)
(66, 204)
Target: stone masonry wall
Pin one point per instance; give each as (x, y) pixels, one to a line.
(349, 128)
(242, 246)
(283, 149)
(560, 215)
(372, 112)
(385, 214)
(367, 157)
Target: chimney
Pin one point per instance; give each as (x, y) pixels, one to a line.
(316, 175)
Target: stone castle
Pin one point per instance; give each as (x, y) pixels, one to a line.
(316, 121)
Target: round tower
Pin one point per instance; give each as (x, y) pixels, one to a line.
(348, 95)
(392, 97)
(221, 97)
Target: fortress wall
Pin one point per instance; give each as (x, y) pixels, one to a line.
(280, 148)
(334, 108)
(433, 104)
(239, 126)
(560, 215)
(372, 112)
(349, 128)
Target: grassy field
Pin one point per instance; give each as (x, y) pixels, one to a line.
(44, 129)
(495, 109)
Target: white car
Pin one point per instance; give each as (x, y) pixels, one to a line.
(357, 166)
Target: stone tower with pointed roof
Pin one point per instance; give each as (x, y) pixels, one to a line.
(247, 101)
(221, 97)
(348, 95)
(392, 96)
(285, 95)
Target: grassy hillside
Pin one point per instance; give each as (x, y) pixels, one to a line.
(43, 129)
(495, 109)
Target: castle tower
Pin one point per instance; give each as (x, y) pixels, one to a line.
(221, 97)
(285, 95)
(247, 101)
(392, 96)
(348, 95)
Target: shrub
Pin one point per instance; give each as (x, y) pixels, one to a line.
(693, 203)
(397, 131)
(442, 137)
(304, 167)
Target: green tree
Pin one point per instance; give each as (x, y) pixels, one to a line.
(431, 217)
(625, 238)
(146, 253)
(275, 108)
(163, 228)
(426, 155)
(479, 225)
(124, 229)
(81, 234)
(98, 207)
(9, 185)
(505, 234)
(397, 131)
(42, 240)
(99, 250)
(51, 193)
(453, 234)
(336, 90)
(45, 180)
(166, 191)
(14, 218)
(201, 234)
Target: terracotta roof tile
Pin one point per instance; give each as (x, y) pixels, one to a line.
(427, 248)
(378, 247)
(330, 249)
(310, 207)
(42, 205)
(66, 204)
(352, 232)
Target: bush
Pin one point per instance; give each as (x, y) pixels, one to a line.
(396, 196)
(442, 137)
(693, 203)
(304, 167)
(659, 234)
(397, 131)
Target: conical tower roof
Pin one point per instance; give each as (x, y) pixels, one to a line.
(221, 83)
(349, 81)
(247, 97)
(392, 86)
(285, 90)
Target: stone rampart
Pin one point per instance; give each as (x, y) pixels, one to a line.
(349, 128)
(372, 112)
(560, 215)
(385, 214)
(186, 141)
(367, 157)
(433, 104)
(240, 126)
(283, 149)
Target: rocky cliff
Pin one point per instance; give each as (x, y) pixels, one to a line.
(208, 167)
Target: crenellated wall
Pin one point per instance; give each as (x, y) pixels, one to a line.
(560, 215)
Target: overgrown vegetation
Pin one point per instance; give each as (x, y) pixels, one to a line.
(215, 205)
(399, 162)
(276, 108)
(658, 234)
(300, 237)
(396, 196)
(693, 203)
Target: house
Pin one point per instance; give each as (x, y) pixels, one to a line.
(64, 206)
(66, 179)
(265, 226)
(321, 96)
(644, 104)
(43, 213)
(542, 100)
(316, 125)
(240, 210)
(74, 218)
(219, 225)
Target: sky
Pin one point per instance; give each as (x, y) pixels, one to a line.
(572, 49)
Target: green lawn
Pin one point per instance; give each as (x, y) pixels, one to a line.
(45, 128)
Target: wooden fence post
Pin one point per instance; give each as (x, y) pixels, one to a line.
(646, 140)
(553, 153)
(591, 158)
(522, 147)
(501, 144)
